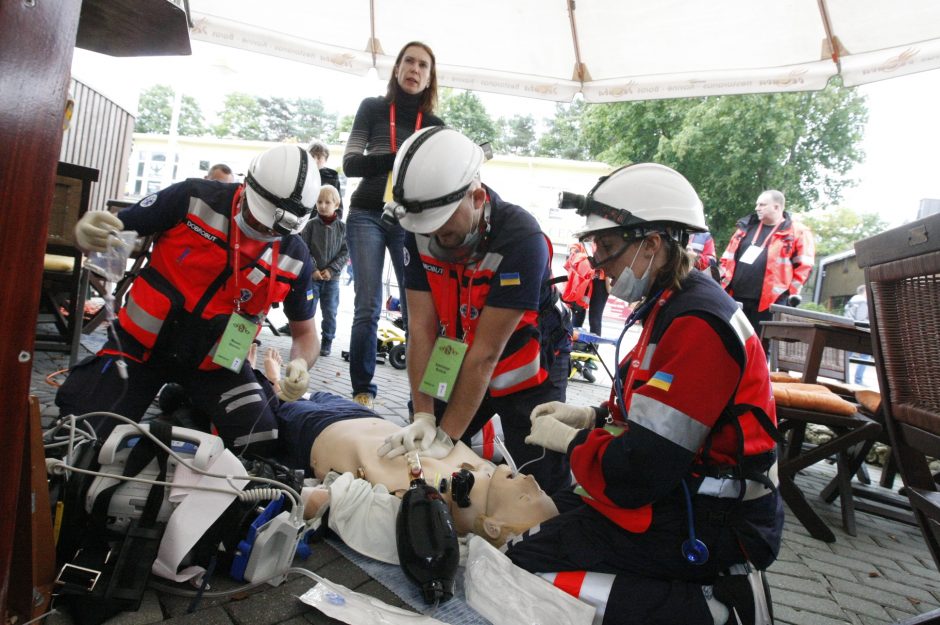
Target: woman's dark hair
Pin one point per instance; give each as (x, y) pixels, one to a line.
(428, 97)
(676, 268)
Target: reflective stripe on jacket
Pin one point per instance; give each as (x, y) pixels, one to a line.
(790, 258)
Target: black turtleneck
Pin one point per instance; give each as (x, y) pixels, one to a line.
(368, 150)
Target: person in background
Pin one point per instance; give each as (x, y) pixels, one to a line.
(381, 125)
(224, 254)
(220, 172)
(321, 154)
(676, 472)
(325, 236)
(702, 246)
(768, 259)
(481, 304)
(857, 310)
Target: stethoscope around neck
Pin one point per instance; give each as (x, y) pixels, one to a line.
(694, 551)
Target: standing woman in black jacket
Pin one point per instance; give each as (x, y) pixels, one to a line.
(382, 124)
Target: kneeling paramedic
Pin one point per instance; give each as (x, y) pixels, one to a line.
(487, 332)
(676, 472)
(223, 254)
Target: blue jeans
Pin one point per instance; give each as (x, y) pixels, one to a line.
(860, 369)
(326, 294)
(367, 237)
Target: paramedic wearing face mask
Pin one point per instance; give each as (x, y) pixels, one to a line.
(224, 253)
(688, 458)
(487, 334)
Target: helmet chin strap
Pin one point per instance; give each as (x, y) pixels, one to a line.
(469, 249)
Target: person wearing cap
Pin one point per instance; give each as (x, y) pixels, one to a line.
(676, 472)
(477, 279)
(224, 253)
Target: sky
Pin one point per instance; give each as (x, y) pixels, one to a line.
(901, 142)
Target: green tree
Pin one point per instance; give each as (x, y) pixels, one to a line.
(277, 120)
(838, 228)
(241, 117)
(155, 110)
(733, 147)
(311, 121)
(191, 122)
(518, 135)
(464, 111)
(564, 138)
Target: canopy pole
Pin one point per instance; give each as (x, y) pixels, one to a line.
(372, 31)
(580, 71)
(832, 39)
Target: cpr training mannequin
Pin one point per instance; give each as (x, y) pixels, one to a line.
(330, 433)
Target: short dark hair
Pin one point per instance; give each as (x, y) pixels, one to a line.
(318, 148)
(225, 169)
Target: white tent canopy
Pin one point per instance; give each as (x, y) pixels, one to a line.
(608, 50)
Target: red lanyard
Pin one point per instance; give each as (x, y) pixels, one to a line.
(760, 226)
(391, 125)
(236, 248)
(639, 352)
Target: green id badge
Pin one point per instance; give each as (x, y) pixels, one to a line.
(235, 342)
(443, 367)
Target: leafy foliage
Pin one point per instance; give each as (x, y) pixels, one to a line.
(564, 138)
(155, 112)
(733, 147)
(465, 111)
(517, 135)
(837, 229)
(241, 118)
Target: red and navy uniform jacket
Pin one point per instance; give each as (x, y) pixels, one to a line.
(703, 246)
(580, 281)
(791, 253)
(513, 273)
(700, 409)
(189, 282)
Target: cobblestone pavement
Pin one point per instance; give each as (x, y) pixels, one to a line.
(882, 575)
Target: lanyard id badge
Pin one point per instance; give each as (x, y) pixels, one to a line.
(751, 254)
(235, 342)
(444, 365)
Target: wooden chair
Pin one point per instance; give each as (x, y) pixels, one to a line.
(62, 299)
(902, 275)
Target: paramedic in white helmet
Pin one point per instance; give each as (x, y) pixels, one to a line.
(676, 472)
(487, 332)
(222, 255)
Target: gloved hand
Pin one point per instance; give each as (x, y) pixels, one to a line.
(296, 380)
(576, 416)
(794, 300)
(94, 228)
(550, 433)
(419, 435)
(440, 447)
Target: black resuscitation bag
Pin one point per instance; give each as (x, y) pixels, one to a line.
(103, 571)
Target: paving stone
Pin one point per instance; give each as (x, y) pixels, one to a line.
(785, 614)
(272, 606)
(881, 560)
(812, 586)
(806, 603)
(829, 570)
(862, 606)
(795, 568)
(149, 612)
(211, 616)
(884, 592)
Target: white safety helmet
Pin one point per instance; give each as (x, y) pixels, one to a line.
(281, 187)
(433, 170)
(645, 197)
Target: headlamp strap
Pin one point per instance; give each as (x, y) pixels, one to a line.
(294, 202)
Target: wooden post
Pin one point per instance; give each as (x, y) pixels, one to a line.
(37, 38)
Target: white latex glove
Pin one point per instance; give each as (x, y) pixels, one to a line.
(576, 416)
(296, 380)
(94, 228)
(417, 436)
(440, 447)
(550, 433)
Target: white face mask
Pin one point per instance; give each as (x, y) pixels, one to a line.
(628, 287)
(251, 232)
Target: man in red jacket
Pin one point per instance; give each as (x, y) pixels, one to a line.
(768, 260)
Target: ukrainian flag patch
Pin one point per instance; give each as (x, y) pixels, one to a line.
(661, 380)
(509, 279)
(309, 295)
